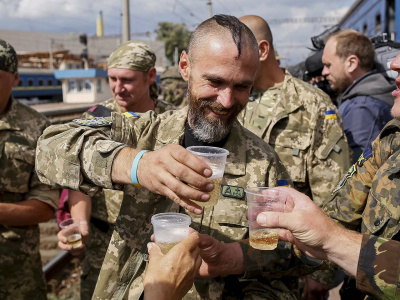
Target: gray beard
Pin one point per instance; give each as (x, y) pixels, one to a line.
(208, 131)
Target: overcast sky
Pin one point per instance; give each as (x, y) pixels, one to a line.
(290, 39)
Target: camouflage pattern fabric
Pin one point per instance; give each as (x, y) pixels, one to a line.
(105, 207)
(378, 272)
(173, 87)
(367, 198)
(8, 58)
(292, 119)
(21, 275)
(251, 163)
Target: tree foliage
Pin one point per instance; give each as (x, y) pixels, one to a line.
(174, 36)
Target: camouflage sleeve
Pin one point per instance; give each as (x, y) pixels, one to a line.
(378, 271)
(76, 157)
(330, 154)
(350, 195)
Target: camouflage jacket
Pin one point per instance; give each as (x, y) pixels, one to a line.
(251, 162)
(378, 272)
(306, 132)
(107, 210)
(20, 128)
(367, 198)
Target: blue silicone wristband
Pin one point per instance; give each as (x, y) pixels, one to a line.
(135, 166)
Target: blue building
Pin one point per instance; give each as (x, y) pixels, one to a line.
(373, 17)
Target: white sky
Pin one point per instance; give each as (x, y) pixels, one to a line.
(290, 39)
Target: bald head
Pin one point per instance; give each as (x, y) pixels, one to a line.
(259, 27)
(226, 29)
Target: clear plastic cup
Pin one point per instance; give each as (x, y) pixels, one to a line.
(261, 199)
(215, 158)
(170, 229)
(72, 231)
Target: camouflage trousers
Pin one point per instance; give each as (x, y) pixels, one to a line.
(96, 249)
(21, 275)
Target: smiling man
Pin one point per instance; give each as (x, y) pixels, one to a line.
(220, 66)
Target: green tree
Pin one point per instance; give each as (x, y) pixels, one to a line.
(174, 36)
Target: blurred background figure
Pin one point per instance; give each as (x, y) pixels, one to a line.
(173, 87)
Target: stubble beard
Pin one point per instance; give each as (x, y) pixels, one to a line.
(210, 130)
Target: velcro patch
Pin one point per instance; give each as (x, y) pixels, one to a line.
(130, 114)
(347, 176)
(95, 122)
(330, 114)
(230, 191)
(364, 156)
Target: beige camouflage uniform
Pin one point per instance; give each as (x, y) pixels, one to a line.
(107, 202)
(251, 163)
(367, 198)
(173, 87)
(21, 275)
(292, 119)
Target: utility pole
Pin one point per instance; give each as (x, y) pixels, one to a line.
(209, 3)
(126, 33)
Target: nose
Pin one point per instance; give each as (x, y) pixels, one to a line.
(118, 88)
(225, 97)
(395, 64)
(324, 71)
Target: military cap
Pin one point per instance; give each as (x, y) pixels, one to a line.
(171, 72)
(136, 56)
(8, 58)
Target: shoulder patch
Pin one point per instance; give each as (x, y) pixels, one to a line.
(95, 122)
(130, 114)
(364, 156)
(350, 173)
(330, 114)
(230, 191)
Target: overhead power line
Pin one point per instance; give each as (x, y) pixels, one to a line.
(304, 20)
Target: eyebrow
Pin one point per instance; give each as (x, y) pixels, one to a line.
(213, 77)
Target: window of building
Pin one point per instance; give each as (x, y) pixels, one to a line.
(30, 82)
(88, 85)
(378, 25)
(40, 82)
(79, 85)
(71, 85)
(99, 85)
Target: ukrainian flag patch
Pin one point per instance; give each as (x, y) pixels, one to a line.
(282, 182)
(330, 114)
(130, 114)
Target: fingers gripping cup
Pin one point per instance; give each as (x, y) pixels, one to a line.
(261, 199)
(170, 229)
(215, 158)
(72, 231)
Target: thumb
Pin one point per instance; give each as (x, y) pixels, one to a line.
(154, 251)
(274, 219)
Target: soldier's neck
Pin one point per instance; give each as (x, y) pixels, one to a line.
(269, 75)
(141, 107)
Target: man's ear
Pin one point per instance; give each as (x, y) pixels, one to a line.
(352, 63)
(184, 66)
(263, 49)
(16, 80)
(152, 75)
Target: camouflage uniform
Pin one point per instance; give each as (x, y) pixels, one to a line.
(105, 208)
(173, 87)
(251, 163)
(301, 123)
(21, 275)
(378, 272)
(367, 198)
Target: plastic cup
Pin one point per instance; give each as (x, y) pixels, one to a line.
(170, 229)
(215, 158)
(261, 199)
(72, 231)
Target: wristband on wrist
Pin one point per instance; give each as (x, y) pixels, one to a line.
(135, 167)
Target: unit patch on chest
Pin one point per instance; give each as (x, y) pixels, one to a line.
(230, 191)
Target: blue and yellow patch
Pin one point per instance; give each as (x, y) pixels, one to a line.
(347, 176)
(230, 191)
(364, 156)
(282, 182)
(130, 114)
(330, 114)
(95, 122)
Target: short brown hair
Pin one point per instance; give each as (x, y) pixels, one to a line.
(350, 42)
